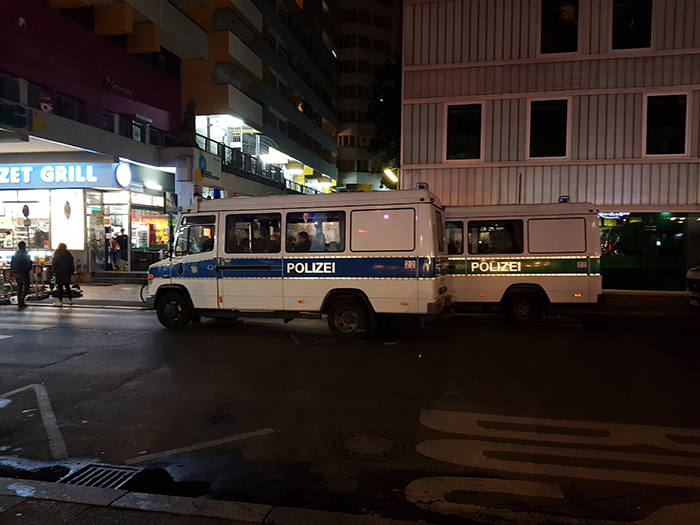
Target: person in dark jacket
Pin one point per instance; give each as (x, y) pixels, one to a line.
(21, 265)
(63, 270)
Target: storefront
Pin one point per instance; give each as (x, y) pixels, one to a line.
(85, 206)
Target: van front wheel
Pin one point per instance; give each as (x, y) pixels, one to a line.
(174, 311)
(525, 307)
(348, 318)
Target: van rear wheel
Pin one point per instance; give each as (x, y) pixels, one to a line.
(174, 311)
(525, 307)
(348, 318)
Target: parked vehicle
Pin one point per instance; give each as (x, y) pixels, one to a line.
(348, 256)
(524, 258)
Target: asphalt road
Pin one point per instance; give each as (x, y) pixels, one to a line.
(588, 414)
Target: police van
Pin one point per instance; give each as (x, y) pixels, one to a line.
(350, 256)
(524, 258)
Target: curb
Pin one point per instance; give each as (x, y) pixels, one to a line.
(195, 507)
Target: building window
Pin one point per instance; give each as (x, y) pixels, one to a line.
(548, 128)
(383, 22)
(559, 26)
(348, 15)
(382, 47)
(364, 42)
(348, 40)
(464, 132)
(364, 16)
(347, 141)
(666, 124)
(348, 66)
(631, 24)
(345, 165)
(364, 67)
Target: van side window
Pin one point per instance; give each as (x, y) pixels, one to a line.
(253, 233)
(455, 237)
(315, 231)
(195, 235)
(556, 235)
(486, 237)
(383, 230)
(439, 231)
(201, 239)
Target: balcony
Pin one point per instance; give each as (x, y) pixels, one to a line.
(240, 164)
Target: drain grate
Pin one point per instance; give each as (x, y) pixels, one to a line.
(368, 445)
(107, 477)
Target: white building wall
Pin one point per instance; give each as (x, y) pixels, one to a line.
(469, 51)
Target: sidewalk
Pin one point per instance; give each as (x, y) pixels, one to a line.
(29, 502)
(101, 296)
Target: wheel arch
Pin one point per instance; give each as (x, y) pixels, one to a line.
(345, 293)
(524, 288)
(173, 288)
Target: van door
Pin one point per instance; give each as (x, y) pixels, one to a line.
(250, 263)
(194, 259)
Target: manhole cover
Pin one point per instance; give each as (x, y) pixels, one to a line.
(368, 445)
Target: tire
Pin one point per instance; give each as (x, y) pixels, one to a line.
(174, 311)
(348, 318)
(143, 292)
(525, 308)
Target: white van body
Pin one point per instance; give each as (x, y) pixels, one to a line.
(376, 253)
(524, 257)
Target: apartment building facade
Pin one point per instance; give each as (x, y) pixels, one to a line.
(542, 101)
(369, 35)
(267, 87)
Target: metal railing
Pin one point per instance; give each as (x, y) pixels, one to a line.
(241, 164)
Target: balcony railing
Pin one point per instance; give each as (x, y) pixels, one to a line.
(243, 165)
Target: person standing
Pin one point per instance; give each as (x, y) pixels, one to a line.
(21, 265)
(123, 253)
(63, 270)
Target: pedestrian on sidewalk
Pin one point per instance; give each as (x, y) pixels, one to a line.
(21, 265)
(63, 270)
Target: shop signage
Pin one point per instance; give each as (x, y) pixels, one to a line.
(107, 82)
(48, 176)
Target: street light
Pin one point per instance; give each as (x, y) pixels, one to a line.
(393, 177)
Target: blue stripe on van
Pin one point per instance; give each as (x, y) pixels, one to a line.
(306, 267)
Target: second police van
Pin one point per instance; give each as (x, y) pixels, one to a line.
(524, 258)
(351, 257)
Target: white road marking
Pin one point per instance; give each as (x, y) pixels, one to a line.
(426, 490)
(547, 436)
(53, 432)
(206, 444)
(476, 454)
(21, 326)
(560, 430)
(5, 336)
